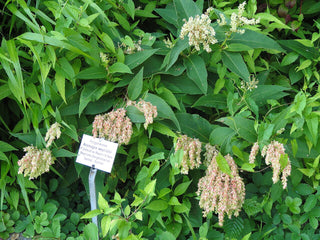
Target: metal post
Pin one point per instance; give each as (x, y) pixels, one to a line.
(92, 189)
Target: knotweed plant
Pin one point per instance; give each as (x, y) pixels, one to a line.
(53, 133)
(114, 126)
(191, 148)
(220, 192)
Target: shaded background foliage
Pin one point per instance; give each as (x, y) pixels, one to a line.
(51, 71)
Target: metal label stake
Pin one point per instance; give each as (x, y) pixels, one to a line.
(92, 190)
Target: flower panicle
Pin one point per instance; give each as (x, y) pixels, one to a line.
(191, 148)
(35, 162)
(272, 154)
(114, 126)
(199, 31)
(219, 192)
(53, 133)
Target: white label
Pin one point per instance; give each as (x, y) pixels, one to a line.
(97, 153)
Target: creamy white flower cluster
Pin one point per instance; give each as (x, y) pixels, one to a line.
(199, 31)
(38, 161)
(273, 153)
(250, 85)
(219, 192)
(237, 20)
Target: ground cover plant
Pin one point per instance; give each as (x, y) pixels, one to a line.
(214, 104)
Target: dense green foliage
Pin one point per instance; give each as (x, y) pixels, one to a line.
(67, 61)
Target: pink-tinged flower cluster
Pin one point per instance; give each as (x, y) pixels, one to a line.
(219, 192)
(35, 162)
(199, 31)
(254, 152)
(191, 148)
(114, 126)
(272, 154)
(149, 111)
(211, 152)
(53, 133)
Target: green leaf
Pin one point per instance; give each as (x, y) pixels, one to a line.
(135, 115)
(4, 91)
(254, 39)
(197, 72)
(244, 127)
(168, 96)
(60, 83)
(163, 129)
(289, 59)
(6, 147)
(313, 124)
(174, 53)
(16, 82)
(221, 136)
(307, 52)
(164, 110)
(92, 73)
(310, 203)
(169, 15)
(119, 67)
(142, 146)
(212, 101)
(91, 214)
(53, 41)
(122, 21)
(194, 126)
(234, 62)
(136, 59)
(157, 205)
(304, 189)
(264, 92)
(91, 231)
(181, 188)
(135, 86)
(107, 42)
(223, 165)
(92, 91)
(186, 9)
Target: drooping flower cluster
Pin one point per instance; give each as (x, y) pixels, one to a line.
(35, 162)
(220, 192)
(149, 111)
(210, 153)
(114, 126)
(237, 20)
(191, 148)
(54, 132)
(273, 153)
(199, 31)
(253, 153)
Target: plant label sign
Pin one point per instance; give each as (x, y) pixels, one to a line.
(97, 153)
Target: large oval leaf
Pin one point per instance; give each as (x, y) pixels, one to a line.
(197, 72)
(163, 108)
(235, 63)
(194, 126)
